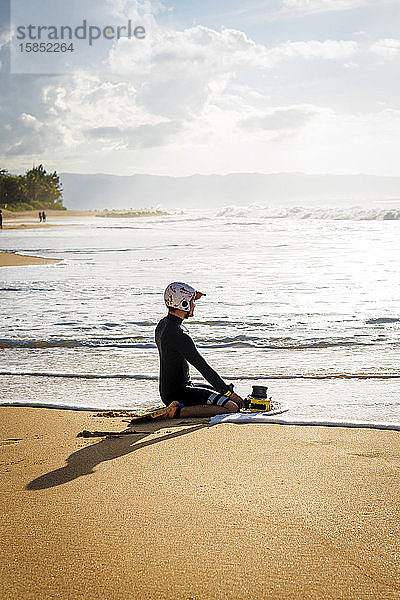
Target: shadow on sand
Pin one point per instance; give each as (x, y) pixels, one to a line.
(82, 462)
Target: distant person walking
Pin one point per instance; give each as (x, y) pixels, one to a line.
(43, 216)
(40, 216)
(1, 219)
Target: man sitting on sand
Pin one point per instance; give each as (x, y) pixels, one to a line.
(176, 348)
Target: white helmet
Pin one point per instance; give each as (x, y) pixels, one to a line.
(178, 295)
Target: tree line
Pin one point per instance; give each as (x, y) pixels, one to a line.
(36, 189)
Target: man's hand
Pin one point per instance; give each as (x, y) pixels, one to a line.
(239, 401)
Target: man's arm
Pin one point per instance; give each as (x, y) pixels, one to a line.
(193, 356)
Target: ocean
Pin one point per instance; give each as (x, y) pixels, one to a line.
(305, 300)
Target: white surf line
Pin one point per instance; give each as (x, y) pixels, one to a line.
(78, 375)
(66, 407)
(229, 418)
(235, 378)
(328, 376)
(262, 418)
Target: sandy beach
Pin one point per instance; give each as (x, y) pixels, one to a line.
(184, 510)
(58, 218)
(12, 259)
(29, 219)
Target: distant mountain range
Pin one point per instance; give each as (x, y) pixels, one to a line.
(99, 191)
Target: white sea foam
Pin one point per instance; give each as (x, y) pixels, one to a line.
(353, 213)
(54, 406)
(264, 418)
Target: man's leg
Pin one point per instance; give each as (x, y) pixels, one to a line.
(201, 402)
(208, 410)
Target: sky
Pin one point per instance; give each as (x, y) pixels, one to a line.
(216, 87)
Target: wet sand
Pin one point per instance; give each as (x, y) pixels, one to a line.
(182, 510)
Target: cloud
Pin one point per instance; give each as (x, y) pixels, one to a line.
(200, 49)
(131, 9)
(41, 113)
(329, 50)
(5, 35)
(293, 8)
(387, 48)
(143, 136)
(30, 122)
(26, 127)
(287, 120)
(187, 66)
(29, 136)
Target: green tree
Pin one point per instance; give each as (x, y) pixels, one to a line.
(42, 189)
(36, 189)
(11, 193)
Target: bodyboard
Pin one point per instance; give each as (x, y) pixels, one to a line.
(247, 416)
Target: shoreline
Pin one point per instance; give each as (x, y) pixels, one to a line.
(280, 418)
(8, 214)
(30, 220)
(13, 259)
(15, 225)
(243, 511)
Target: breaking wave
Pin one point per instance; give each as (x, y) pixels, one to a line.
(138, 342)
(353, 213)
(240, 341)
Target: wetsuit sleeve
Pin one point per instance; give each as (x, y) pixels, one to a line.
(193, 356)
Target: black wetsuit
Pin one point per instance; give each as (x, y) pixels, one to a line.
(176, 349)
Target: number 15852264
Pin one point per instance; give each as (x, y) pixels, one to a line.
(46, 47)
